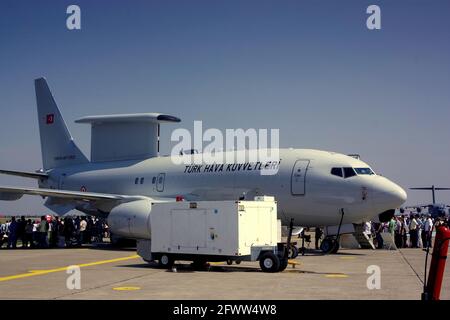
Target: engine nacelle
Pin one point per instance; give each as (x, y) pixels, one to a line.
(385, 216)
(131, 219)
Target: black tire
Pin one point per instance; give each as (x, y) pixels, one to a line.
(269, 262)
(329, 246)
(336, 247)
(165, 261)
(238, 261)
(293, 252)
(229, 262)
(283, 265)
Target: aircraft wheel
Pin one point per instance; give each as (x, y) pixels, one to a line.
(238, 261)
(269, 262)
(329, 246)
(229, 262)
(336, 247)
(166, 261)
(293, 252)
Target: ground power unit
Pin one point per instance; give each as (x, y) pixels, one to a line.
(207, 231)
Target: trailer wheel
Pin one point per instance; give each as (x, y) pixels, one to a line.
(166, 261)
(238, 261)
(269, 262)
(229, 262)
(283, 264)
(293, 251)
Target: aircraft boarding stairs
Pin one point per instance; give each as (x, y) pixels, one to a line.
(363, 239)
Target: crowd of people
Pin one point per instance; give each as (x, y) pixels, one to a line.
(408, 231)
(52, 232)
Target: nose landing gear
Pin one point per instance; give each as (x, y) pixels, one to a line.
(331, 243)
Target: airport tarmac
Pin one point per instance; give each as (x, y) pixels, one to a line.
(120, 274)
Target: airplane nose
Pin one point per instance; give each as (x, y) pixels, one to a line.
(398, 195)
(390, 195)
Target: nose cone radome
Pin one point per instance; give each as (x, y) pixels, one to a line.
(397, 196)
(389, 195)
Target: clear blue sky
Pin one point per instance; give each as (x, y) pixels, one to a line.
(310, 68)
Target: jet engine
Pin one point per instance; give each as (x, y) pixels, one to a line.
(386, 216)
(131, 219)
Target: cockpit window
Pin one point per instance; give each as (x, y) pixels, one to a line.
(364, 171)
(349, 172)
(336, 172)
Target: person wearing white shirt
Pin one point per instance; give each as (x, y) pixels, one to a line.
(427, 230)
(413, 234)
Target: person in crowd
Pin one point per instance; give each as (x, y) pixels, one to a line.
(89, 230)
(76, 224)
(21, 229)
(318, 233)
(405, 231)
(60, 233)
(367, 229)
(398, 236)
(427, 232)
(82, 231)
(36, 233)
(413, 232)
(12, 233)
(3, 234)
(391, 226)
(28, 237)
(42, 231)
(53, 232)
(378, 230)
(69, 231)
(420, 223)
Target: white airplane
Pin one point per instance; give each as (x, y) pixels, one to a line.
(126, 173)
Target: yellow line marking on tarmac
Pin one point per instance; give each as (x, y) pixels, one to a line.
(32, 273)
(336, 276)
(127, 288)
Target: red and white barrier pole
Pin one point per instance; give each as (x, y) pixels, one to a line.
(437, 267)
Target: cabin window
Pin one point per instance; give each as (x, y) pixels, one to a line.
(154, 180)
(349, 172)
(136, 181)
(336, 172)
(142, 180)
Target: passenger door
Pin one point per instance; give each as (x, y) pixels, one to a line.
(298, 178)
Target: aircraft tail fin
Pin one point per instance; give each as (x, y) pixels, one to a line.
(57, 145)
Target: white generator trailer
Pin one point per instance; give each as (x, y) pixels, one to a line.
(207, 231)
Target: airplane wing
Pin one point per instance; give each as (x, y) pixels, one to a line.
(33, 175)
(429, 188)
(84, 201)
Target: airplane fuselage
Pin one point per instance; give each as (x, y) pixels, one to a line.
(303, 185)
